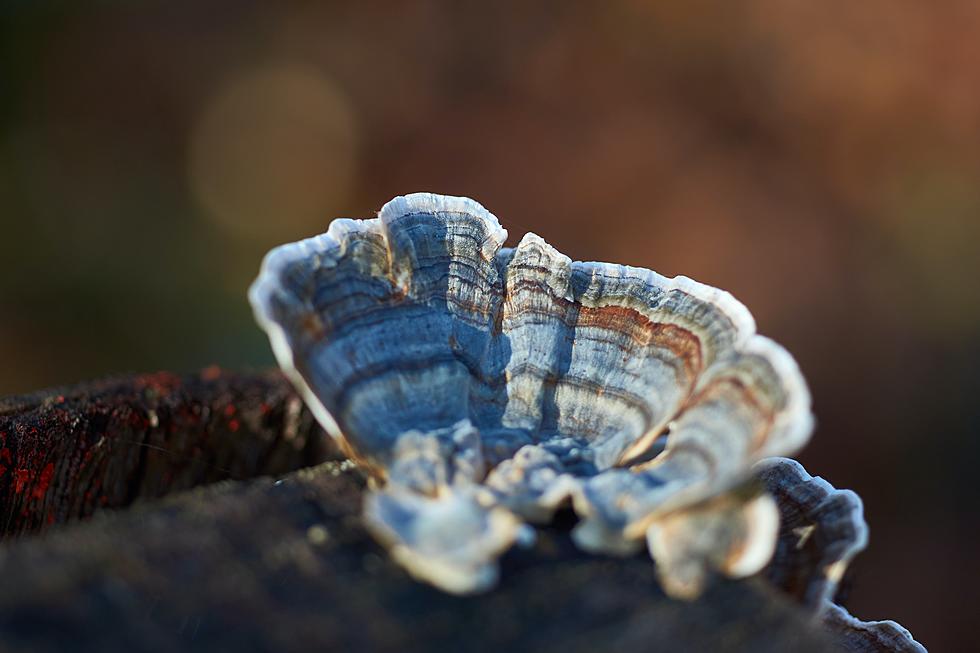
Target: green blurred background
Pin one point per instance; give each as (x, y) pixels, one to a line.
(821, 160)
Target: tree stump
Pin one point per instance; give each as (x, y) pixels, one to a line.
(108, 548)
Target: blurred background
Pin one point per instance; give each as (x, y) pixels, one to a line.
(820, 160)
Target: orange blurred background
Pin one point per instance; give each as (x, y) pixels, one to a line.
(820, 160)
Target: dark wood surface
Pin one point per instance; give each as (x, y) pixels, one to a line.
(67, 452)
(278, 560)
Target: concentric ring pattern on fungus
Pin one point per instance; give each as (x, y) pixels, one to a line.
(483, 387)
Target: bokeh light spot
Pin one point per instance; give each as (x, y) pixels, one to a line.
(274, 152)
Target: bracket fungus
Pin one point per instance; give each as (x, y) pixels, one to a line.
(821, 530)
(483, 387)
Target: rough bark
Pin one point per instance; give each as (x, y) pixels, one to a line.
(282, 562)
(67, 452)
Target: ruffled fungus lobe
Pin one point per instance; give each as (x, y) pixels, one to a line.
(483, 387)
(821, 530)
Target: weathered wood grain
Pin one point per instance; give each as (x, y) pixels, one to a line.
(67, 452)
(282, 562)
(285, 565)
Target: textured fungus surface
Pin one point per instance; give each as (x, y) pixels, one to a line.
(483, 387)
(821, 530)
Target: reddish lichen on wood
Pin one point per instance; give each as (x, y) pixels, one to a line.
(65, 454)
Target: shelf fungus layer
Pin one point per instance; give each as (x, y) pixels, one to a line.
(484, 387)
(821, 530)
